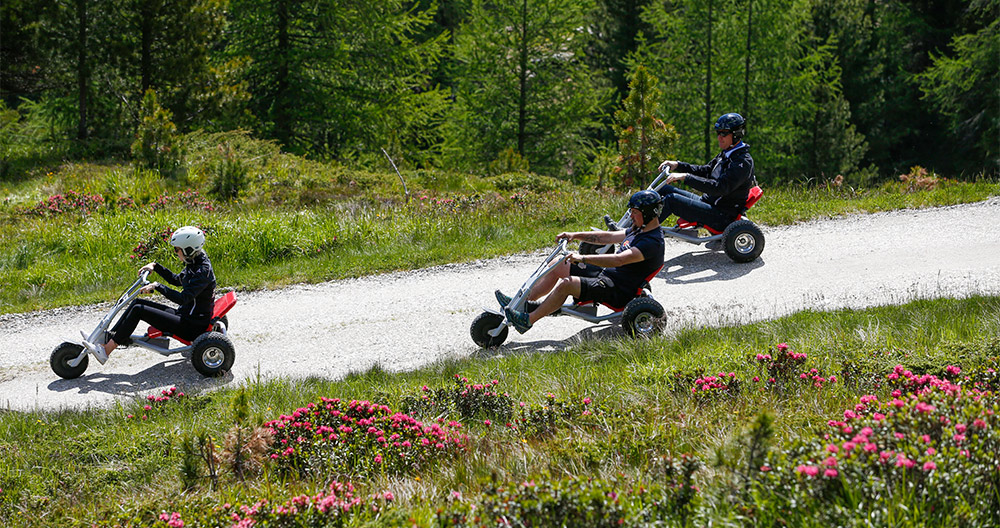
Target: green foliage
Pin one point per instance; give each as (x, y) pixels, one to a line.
(157, 145)
(521, 84)
(544, 501)
(961, 85)
(643, 139)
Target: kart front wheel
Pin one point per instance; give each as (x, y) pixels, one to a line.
(642, 317)
(481, 327)
(62, 355)
(212, 354)
(743, 241)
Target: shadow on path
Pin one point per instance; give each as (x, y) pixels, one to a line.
(173, 371)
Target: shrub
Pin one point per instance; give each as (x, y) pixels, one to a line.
(70, 202)
(229, 176)
(579, 502)
(359, 438)
(468, 400)
(157, 145)
(930, 454)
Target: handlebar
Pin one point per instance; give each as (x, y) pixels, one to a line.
(142, 276)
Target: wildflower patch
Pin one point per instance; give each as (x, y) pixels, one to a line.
(360, 438)
(932, 438)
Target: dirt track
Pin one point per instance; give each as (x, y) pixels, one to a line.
(409, 319)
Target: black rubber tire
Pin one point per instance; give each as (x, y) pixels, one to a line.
(61, 356)
(481, 327)
(212, 354)
(743, 241)
(225, 322)
(586, 248)
(642, 317)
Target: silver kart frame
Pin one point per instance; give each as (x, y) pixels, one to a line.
(160, 345)
(587, 312)
(687, 234)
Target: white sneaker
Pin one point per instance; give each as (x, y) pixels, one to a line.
(97, 350)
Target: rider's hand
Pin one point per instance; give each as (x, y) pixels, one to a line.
(148, 268)
(149, 287)
(676, 177)
(668, 163)
(564, 236)
(573, 258)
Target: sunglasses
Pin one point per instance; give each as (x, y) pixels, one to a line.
(723, 133)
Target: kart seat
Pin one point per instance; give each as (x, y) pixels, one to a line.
(222, 306)
(752, 197)
(639, 293)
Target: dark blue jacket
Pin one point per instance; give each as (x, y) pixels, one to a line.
(726, 180)
(197, 282)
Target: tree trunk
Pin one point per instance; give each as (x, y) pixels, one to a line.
(281, 122)
(146, 46)
(522, 100)
(82, 68)
(708, 86)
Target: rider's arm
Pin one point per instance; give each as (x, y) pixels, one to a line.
(595, 237)
(200, 280)
(169, 276)
(613, 260)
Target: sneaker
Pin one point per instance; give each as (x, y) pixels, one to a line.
(518, 319)
(97, 350)
(504, 300)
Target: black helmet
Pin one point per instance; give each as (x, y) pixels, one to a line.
(648, 203)
(733, 122)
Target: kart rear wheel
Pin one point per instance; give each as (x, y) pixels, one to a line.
(743, 241)
(481, 327)
(212, 354)
(61, 356)
(642, 317)
(225, 323)
(586, 248)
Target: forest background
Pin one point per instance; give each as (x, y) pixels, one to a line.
(863, 89)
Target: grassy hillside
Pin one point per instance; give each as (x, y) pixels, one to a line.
(74, 234)
(880, 417)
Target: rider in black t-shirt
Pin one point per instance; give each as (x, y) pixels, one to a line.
(613, 279)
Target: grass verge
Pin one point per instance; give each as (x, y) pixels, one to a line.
(877, 417)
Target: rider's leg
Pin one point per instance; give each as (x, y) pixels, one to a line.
(691, 208)
(545, 285)
(564, 288)
(156, 314)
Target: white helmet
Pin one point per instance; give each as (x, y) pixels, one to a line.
(190, 239)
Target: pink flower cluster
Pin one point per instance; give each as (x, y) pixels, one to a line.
(173, 520)
(368, 434)
(337, 502)
(165, 396)
(720, 382)
(915, 430)
(70, 202)
(189, 199)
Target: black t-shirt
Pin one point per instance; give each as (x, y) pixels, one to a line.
(630, 276)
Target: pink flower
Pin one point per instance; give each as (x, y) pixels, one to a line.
(765, 468)
(378, 459)
(832, 448)
(979, 424)
(830, 462)
(831, 473)
(960, 428)
(928, 466)
(586, 401)
(811, 471)
(958, 438)
(487, 423)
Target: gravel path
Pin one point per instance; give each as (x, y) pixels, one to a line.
(409, 319)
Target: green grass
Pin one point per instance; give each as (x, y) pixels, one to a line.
(100, 466)
(297, 221)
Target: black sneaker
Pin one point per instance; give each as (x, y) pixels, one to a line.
(518, 319)
(504, 300)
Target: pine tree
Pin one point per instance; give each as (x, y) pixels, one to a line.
(643, 139)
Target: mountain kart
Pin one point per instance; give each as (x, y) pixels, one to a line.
(641, 317)
(212, 353)
(742, 240)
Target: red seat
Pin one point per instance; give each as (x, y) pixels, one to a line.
(222, 306)
(752, 197)
(637, 293)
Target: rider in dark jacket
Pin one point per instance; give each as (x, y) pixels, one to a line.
(196, 298)
(726, 180)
